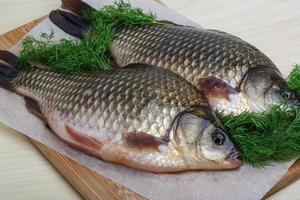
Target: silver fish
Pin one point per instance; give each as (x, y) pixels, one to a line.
(140, 116)
(232, 74)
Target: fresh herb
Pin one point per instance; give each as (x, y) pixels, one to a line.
(120, 14)
(70, 55)
(266, 137)
(91, 52)
(293, 80)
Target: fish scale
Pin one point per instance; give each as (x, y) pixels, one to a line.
(118, 100)
(192, 53)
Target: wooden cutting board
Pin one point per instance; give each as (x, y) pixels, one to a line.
(89, 184)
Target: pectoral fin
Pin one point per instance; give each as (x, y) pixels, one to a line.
(142, 151)
(214, 88)
(143, 142)
(221, 96)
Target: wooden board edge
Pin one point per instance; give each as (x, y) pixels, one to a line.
(292, 175)
(7, 41)
(88, 183)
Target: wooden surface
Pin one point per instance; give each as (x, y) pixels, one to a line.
(25, 174)
(90, 185)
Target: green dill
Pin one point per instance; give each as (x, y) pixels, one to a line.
(91, 52)
(293, 80)
(271, 136)
(120, 14)
(69, 55)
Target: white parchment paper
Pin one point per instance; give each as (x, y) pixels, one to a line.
(244, 183)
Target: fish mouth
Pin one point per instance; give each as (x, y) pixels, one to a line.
(295, 101)
(235, 159)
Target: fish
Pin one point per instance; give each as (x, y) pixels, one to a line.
(141, 116)
(232, 74)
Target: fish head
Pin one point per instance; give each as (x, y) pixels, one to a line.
(202, 141)
(264, 87)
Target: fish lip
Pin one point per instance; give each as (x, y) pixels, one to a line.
(295, 102)
(235, 159)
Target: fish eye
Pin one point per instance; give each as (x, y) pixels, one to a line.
(287, 95)
(218, 137)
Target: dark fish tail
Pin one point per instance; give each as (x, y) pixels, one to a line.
(76, 6)
(8, 69)
(70, 23)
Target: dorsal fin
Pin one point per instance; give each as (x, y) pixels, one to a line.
(142, 141)
(212, 87)
(69, 23)
(76, 6)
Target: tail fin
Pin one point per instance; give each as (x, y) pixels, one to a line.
(69, 23)
(76, 6)
(8, 70)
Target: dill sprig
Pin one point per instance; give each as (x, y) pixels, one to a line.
(270, 136)
(293, 80)
(120, 13)
(67, 54)
(70, 55)
(91, 52)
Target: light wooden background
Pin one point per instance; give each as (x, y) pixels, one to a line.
(271, 25)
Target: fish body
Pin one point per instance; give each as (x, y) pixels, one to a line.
(248, 79)
(215, 62)
(192, 53)
(140, 116)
